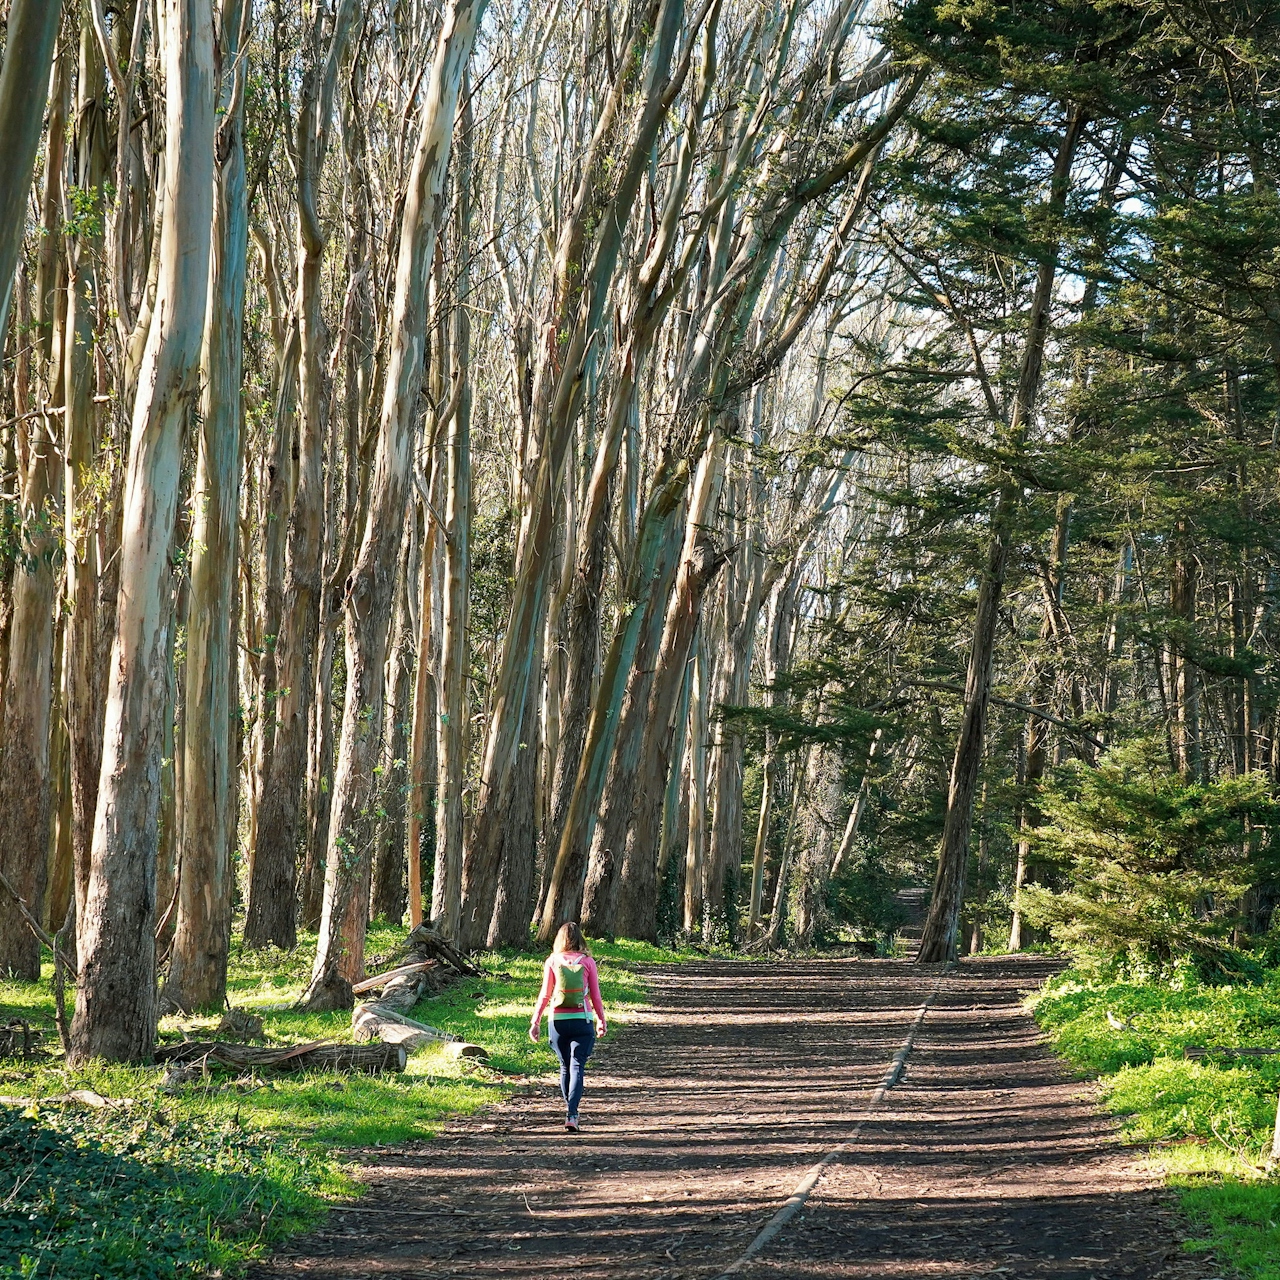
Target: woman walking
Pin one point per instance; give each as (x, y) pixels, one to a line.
(569, 979)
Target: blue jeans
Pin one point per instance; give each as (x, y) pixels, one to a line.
(572, 1039)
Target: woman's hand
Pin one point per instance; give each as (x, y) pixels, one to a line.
(533, 1032)
(604, 1031)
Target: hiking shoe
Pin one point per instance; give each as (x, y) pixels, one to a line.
(571, 1125)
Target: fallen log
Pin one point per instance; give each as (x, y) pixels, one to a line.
(378, 1022)
(427, 941)
(428, 956)
(319, 1055)
(85, 1098)
(375, 1021)
(400, 971)
(1224, 1051)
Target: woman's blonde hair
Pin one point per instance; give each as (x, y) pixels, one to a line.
(569, 938)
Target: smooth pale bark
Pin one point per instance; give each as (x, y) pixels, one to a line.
(581, 625)
(387, 899)
(83, 670)
(653, 562)
(635, 914)
(451, 736)
(724, 844)
(116, 1001)
(24, 87)
(777, 662)
(423, 764)
(940, 936)
(370, 590)
(272, 912)
(320, 774)
(25, 714)
(197, 977)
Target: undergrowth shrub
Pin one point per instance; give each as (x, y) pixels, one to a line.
(151, 1199)
(1223, 1101)
(1155, 866)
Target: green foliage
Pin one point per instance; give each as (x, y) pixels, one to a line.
(1210, 1121)
(1242, 1219)
(861, 894)
(145, 1196)
(1156, 866)
(1159, 1019)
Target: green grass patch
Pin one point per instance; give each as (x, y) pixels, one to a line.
(1208, 1123)
(1240, 1219)
(231, 1165)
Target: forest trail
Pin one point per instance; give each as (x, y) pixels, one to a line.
(705, 1112)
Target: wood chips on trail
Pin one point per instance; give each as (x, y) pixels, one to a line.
(702, 1116)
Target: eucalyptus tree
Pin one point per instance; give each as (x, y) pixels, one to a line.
(198, 960)
(116, 997)
(271, 915)
(716, 365)
(24, 83)
(371, 585)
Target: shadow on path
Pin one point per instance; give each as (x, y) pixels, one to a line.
(706, 1112)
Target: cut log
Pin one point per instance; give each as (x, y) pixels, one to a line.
(377, 1022)
(320, 1055)
(430, 961)
(461, 1049)
(382, 979)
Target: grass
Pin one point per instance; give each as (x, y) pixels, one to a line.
(240, 1164)
(1208, 1123)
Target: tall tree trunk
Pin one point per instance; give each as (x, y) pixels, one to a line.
(423, 753)
(388, 897)
(278, 498)
(636, 913)
(84, 674)
(451, 738)
(695, 850)
(648, 579)
(583, 274)
(724, 845)
(25, 721)
(272, 913)
(24, 87)
(1037, 729)
(777, 662)
(939, 938)
(197, 976)
(340, 953)
(1186, 695)
(116, 1000)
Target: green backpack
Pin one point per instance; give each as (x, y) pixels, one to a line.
(570, 999)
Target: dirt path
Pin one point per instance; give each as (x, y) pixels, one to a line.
(700, 1120)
